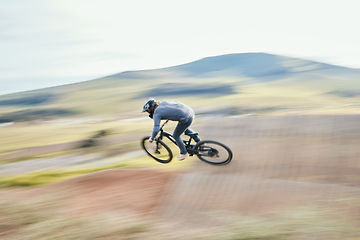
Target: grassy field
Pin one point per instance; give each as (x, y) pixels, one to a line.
(45, 177)
(27, 135)
(36, 141)
(112, 96)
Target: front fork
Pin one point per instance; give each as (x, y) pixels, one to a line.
(158, 146)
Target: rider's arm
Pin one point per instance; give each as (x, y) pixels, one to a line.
(157, 120)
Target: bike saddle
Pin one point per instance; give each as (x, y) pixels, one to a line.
(193, 134)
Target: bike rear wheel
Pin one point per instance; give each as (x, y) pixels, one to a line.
(213, 152)
(158, 150)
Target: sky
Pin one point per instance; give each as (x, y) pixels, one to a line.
(47, 43)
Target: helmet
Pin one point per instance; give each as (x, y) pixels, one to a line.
(148, 105)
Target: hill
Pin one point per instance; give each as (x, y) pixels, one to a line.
(246, 81)
(252, 65)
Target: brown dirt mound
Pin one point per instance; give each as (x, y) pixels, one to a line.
(133, 191)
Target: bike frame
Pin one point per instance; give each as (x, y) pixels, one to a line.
(189, 147)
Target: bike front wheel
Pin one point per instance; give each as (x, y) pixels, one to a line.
(158, 150)
(213, 152)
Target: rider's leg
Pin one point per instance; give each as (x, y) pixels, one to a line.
(195, 137)
(180, 128)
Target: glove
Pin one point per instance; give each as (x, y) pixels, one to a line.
(151, 140)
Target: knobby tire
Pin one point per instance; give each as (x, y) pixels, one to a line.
(209, 151)
(165, 155)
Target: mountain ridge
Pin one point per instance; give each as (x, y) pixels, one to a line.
(253, 65)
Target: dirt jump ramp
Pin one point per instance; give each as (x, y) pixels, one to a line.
(279, 162)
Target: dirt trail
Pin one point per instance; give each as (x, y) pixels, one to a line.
(277, 165)
(132, 191)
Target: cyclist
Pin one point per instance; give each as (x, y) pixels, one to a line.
(173, 111)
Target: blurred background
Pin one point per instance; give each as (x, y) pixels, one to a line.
(278, 83)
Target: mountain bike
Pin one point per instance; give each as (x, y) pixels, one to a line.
(208, 151)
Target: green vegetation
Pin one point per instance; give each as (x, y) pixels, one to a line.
(35, 114)
(93, 140)
(50, 176)
(116, 161)
(28, 100)
(176, 89)
(147, 162)
(119, 97)
(31, 135)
